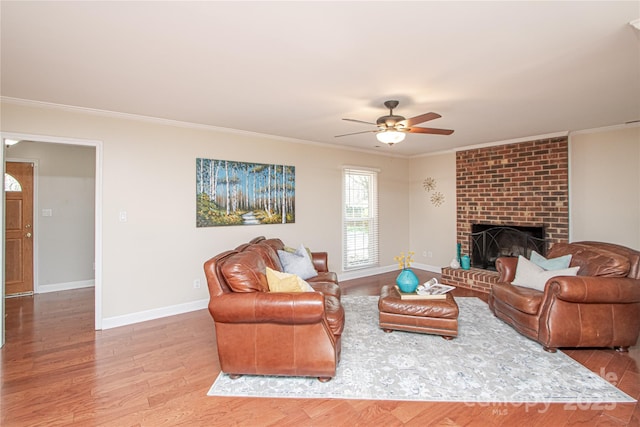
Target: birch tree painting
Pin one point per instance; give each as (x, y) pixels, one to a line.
(238, 193)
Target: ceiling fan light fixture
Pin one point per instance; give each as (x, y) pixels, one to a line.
(392, 128)
(390, 137)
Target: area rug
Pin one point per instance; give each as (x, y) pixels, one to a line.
(488, 362)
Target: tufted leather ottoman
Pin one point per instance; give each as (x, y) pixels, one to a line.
(430, 316)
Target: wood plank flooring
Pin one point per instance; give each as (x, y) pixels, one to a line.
(57, 371)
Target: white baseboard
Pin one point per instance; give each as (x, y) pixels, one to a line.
(156, 313)
(426, 267)
(55, 287)
(356, 274)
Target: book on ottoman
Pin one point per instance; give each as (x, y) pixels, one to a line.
(428, 290)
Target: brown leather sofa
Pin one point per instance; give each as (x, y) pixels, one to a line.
(273, 333)
(600, 307)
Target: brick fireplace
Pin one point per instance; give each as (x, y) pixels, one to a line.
(520, 185)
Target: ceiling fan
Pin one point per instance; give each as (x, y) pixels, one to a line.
(392, 129)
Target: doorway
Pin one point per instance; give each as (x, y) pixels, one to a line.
(18, 190)
(97, 215)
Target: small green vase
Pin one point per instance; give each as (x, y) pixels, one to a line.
(407, 281)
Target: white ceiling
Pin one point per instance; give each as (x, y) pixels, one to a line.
(494, 70)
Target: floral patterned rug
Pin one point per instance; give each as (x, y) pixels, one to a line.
(488, 362)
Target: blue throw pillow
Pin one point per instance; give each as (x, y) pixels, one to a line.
(559, 263)
(298, 263)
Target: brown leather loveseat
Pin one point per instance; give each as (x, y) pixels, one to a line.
(273, 333)
(600, 307)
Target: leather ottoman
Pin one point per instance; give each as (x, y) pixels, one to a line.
(429, 316)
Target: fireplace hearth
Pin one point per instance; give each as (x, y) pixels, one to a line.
(489, 242)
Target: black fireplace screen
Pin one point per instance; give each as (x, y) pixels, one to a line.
(489, 242)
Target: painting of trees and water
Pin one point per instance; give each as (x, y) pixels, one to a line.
(239, 193)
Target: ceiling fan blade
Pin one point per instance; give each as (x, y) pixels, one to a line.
(419, 119)
(355, 133)
(431, 131)
(359, 121)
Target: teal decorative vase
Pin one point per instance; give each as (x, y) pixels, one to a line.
(407, 281)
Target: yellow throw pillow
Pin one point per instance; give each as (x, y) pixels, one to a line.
(285, 282)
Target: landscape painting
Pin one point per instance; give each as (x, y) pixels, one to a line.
(239, 193)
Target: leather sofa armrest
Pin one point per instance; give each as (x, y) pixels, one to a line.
(270, 307)
(506, 266)
(320, 261)
(596, 290)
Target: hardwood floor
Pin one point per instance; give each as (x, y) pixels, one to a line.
(57, 371)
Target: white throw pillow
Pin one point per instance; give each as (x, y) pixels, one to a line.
(298, 263)
(530, 275)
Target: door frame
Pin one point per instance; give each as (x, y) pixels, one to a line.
(34, 220)
(98, 145)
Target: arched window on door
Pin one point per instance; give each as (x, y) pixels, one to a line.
(11, 184)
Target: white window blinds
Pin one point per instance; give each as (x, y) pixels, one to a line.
(360, 218)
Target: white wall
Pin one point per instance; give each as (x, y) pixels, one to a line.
(2, 148)
(604, 192)
(65, 178)
(151, 261)
(604, 188)
(433, 228)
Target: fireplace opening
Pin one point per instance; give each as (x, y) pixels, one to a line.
(489, 242)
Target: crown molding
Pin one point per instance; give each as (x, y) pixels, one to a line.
(629, 125)
(177, 123)
(496, 143)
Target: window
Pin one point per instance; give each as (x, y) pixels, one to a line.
(360, 218)
(11, 184)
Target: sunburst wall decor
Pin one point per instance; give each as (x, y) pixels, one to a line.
(429, 184)
(437, 199)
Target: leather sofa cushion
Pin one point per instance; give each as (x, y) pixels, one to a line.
(326, 288)
(390, 302)
(245, 272)
(522, 299)
(274, 243)
(268, 254)
(631, 254)
(335, 314)
(593, 261)
(324, 276)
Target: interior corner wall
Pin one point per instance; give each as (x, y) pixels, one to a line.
(605, 186)
(433, 224)
(2, 149)
(65, 177)
(148, 170)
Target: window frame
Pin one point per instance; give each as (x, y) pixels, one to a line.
(371, 217)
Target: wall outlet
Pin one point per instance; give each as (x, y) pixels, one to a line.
(424, 254)
(196, 284)
(429, 254)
